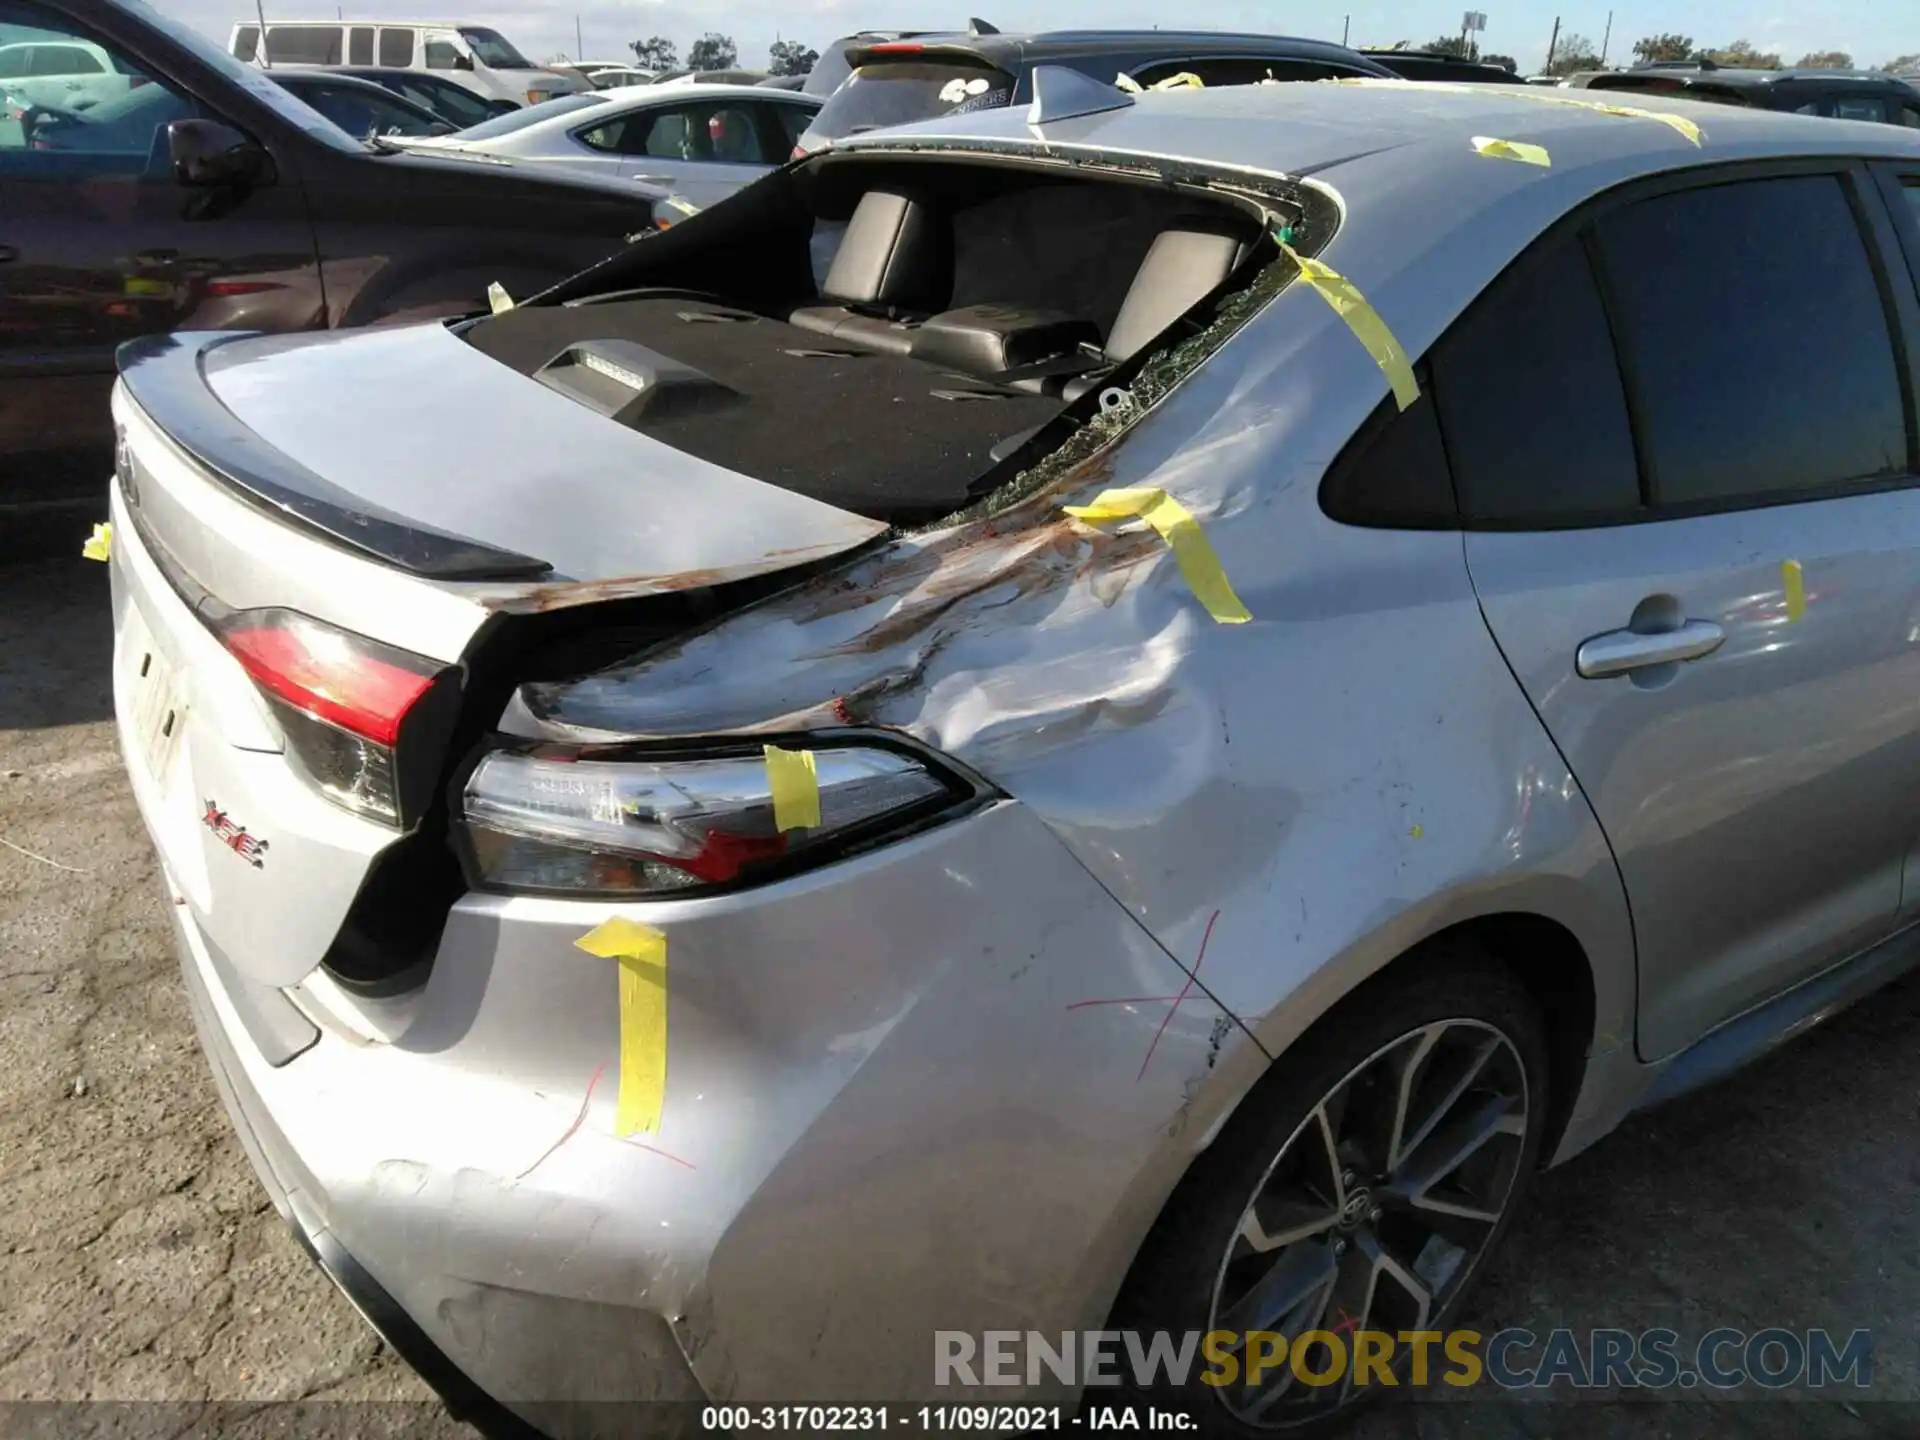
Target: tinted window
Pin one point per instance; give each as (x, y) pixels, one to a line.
(76, 110)
(442, 56)
(1530, 398)
(64, 60)
(246, 42)
(396, 47)
(898, 93)
(1750, 379)
(831, 69)
(455, 103)
(360, 45)
(1910, 115)
(1239, 71)
(715, 132)
(1860, 107)
(793, 121)
(364, 112)
(1394, 471)
(304, 44)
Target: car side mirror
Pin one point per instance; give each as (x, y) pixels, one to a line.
(463, 62)
(208, 153)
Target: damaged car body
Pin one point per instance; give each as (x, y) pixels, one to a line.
(934, 909)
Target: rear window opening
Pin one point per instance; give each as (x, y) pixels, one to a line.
(895, 337)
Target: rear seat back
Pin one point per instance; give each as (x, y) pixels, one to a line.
(1187, 262)
(894, 266)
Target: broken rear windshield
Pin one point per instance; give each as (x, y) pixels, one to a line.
(899, 93)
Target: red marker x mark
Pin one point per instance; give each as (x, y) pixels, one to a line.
(1347, 1323)
(1198, 961)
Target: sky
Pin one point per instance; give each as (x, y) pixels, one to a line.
(1872, 31)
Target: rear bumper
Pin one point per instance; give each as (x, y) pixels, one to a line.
(887, 1114)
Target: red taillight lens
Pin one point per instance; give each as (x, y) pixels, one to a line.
(227, 288)
(341, 700)
(897, 47)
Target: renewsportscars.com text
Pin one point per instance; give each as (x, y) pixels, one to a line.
(1512, 1359)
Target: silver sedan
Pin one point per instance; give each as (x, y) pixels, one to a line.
(1245, 669)
(702, 142)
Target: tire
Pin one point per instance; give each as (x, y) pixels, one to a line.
(1197, 1270)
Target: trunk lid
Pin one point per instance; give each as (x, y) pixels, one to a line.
(408, 499)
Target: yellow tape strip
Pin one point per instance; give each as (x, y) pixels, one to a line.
(498, 298)
(1185, 80)
(641, 952)
(1184, 537)
(683, 205)
(1795, 583)
(1678, 123)
(795, 787)
(1512, 150)
(1367, 326)
(1128, 84)
(99, 545)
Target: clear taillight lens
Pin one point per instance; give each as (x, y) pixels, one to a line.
(561, 822)
(341, 700)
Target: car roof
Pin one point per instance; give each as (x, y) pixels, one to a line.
(1297, 128)
(327, 75)
(641, 96)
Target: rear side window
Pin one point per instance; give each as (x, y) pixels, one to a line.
(901, 92)
(1238, 70)
(360, 45)
(304, 44)
(1530, 399)
(396, 47)
(1751, 381)
(65, 60)
(1860, 107)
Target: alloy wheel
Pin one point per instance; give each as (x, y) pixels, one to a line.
(1374, 1213)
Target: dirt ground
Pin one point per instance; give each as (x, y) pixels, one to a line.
(139, 1261)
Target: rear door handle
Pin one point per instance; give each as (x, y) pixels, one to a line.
(1620, 651)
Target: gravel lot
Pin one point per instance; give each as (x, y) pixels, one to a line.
(139, 1261)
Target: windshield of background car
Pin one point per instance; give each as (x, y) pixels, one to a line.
(491, 49)
(900, 92)
(255, 82)
(532, 115)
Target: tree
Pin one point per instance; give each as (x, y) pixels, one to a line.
(1903, 65)
(1505, 62)
(790, 57)
(1573, 54)
(1825, 60)
(1742, 56)
(656, 53)
(1664, 47)
(712, 51)
(1448, 45)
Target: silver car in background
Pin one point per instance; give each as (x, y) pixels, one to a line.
(701, 141)
(1248, 667)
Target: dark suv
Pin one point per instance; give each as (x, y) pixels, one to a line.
(1437, 65)
(185, 190)
(896, 82)
(1837, 94)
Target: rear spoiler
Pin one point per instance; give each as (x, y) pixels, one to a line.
(163, 375)
(951, 51)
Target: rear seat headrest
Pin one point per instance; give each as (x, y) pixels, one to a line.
(895, 254)
(1187, 261)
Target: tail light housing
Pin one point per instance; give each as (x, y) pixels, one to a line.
(347, 705)
(606, 821)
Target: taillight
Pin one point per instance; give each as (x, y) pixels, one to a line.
(897, 47)
(561, 821)
(341, 699)
(799, 153)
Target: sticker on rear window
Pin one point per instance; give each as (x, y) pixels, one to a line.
(954, 91)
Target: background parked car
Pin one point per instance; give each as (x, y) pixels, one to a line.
(454, 103)
(700, 141)
(1836, 94)
(616, 77)
(69, 73)
(472, 55)
(1432, 65)
(359, 107)
(896, 82)
(208, 184)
